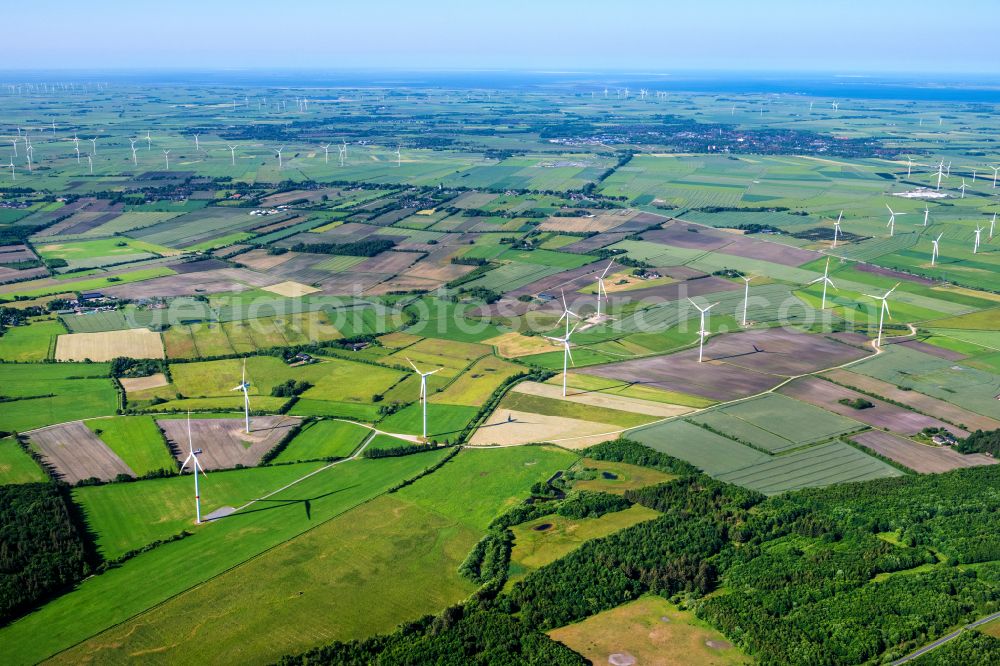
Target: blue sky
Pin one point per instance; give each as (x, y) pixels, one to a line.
(635, 35)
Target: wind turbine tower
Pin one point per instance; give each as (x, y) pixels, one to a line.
(423, 391)
(601, 289)
(196, 467)
(826, 282)
(244, 385)
(934, 251)
(567, 354)
(703, 332)
(883, 310)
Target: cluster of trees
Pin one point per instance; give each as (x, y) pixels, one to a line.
(123, 366)
(982, 442)
(290, 388)
(402, 450)
(362, 248)
(42, 551)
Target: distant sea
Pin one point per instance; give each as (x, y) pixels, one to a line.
(917, 87)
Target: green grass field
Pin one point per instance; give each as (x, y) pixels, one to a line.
(572, 410)
(543, 540)
(171, 569)
(617, 477)
(16, 466)
(322, 440)
(34, 342)
(137, 440)
(126, 516)
(444, 422)
(54, 393)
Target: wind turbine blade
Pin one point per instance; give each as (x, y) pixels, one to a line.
(608, 268)
(569, 353)
(237, 388)
(819, 279)
(433, 371)
(411, 365)
(885, 304)
(891, 290)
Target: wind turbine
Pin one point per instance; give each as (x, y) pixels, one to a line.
(702, 333)
(963, 188)
(746, 294)
(14, 143)
(567, 313)
(94, 142)
(399, 159)
(232, 153)
(979, 233)
(995, 171)
(166, 157)
(195, 467)
(882, 312)
(567, 354)
(342, 153)
(993, 224)
(601, 289)
(135, 160)
(243, 386)
(11, 165)
(892, 220)
(934, 251)
(149, 141)
(909, 166)
(927, 214)
(836, 228)
(90, 162)
(197, 146)
(278, 153)
(826, 282)
(326, 153)
(940, 173)
(423, 391)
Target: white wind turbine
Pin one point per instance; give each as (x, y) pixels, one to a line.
(979, 232)
(399, 159)
(702, 333)
(826, 282)
(836, 228)
(326, 152)
(423, 391)
(342, 153)
(909, 166)
(166, 158)
(90, 163)
(993, 224)
(11, 165)
(232, 154)
(935, 249)
(746, 295)
(244, 385)
(277, 151)
(94, 142)
(567, 313)
(927, 214)
(882, 312)
(892, 220)
(197, 146)
(135, 160)
(940, 173)
(567, 354)
(601, 289)
(14, 143)
(195, 467)
(149, 141)
(996, 170)
(962, 187)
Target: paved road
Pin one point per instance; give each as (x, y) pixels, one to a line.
(941, 641)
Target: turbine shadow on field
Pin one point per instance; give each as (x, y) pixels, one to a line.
(281, 503)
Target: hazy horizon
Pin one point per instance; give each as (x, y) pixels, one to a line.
(851, 37)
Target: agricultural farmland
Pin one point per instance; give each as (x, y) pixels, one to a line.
(509, 243)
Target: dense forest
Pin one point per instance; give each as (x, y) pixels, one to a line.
(361, 248)
(41, 550)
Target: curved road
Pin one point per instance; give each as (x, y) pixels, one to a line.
(941, 641)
